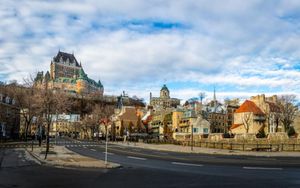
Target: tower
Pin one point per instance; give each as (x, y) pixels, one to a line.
(164, 92)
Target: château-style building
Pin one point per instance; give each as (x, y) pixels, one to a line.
(164, 100)
(68, 75)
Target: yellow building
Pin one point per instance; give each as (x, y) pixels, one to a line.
(128, 119)
(161, 124)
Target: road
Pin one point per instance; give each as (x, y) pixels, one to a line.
(150, 168)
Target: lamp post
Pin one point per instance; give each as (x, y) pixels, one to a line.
(105, 121)
(192, 137)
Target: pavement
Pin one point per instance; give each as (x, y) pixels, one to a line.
(201, 150)
(147, 168)
(60, 156)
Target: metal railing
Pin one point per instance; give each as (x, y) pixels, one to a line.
(241, 146)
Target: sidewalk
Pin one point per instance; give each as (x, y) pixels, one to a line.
(187, 149)
(62, 157)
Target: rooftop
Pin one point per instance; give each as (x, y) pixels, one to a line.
(249, 106)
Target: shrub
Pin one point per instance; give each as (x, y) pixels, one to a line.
(291, 131)
(261, 134)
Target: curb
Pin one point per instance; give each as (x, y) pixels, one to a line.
(35, 158)
(55, 164)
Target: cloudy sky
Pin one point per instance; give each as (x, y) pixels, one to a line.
(240, 47)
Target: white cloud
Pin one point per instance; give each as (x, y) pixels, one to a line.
(240, 45)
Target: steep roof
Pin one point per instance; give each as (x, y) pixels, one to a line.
(129, 115)
(249, 106)
(235, 126)
(66, 56)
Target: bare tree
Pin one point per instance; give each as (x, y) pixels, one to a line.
(246, 118)
(288, 110)
(25, 96)
(50, 102)
(92, 120)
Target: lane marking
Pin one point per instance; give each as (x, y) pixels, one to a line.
(93, 149)
(260, 168)
(138, 158)
(136, 149)
(108, 153)
(186, 164)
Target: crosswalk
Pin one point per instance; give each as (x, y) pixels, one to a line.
(73, 142)
(88, 145)
(14, 145)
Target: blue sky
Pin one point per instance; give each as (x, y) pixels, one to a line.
(242, 48)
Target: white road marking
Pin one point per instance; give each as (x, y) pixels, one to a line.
(108, 153)
(93, 149)
(260, 168)
(138, 158)
(186, 164)
(136, 149)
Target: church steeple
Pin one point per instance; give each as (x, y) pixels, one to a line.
(215, 98)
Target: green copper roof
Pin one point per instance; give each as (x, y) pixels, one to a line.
(164, 87)
(82, 74)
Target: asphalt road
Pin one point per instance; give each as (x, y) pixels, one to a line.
(149, 168)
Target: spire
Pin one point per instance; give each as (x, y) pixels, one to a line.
(215, 98)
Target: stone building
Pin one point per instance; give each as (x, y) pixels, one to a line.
(231, 106)
(248, 118)
(269, 105)
(296, 123)
(9, 117)
(259, 113)
(127, 119)
(164, 100)
(216, 114)
(161, 124)
(68, 75)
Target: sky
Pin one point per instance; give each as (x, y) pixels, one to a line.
(242, 48)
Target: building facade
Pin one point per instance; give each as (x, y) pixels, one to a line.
(248, 118)
(9, 117)
(68, 75)
(216, 114)
(164, 100)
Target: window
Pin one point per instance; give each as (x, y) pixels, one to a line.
(205, 130)
(195, 130)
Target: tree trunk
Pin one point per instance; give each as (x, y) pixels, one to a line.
(47, 140)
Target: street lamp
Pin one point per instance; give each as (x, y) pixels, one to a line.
(105, 121)
(192, 136)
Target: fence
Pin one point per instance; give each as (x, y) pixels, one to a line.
(290, 145)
